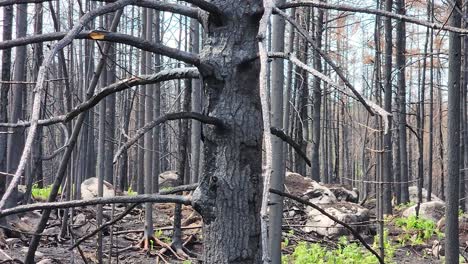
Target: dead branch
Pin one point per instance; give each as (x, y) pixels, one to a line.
(113, 221)
(280, 133)
(263, 80)
(38, 92)
(349, 8)
(170, 116)
(115, 37)
(161, 76)
(17, 2)
(327, 58)
(142, 198)
(345, 225)
(204, 5)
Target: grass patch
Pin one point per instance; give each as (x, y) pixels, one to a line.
(345, 253)
(417, 230)
(42, 193)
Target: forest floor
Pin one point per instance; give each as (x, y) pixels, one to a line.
(127, 234)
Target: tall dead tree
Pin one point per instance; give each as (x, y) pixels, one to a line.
(452, 243)
(317, 103)
(16, 140)
(401, 68)
(277, 110)
(388, 163)
(4, 90)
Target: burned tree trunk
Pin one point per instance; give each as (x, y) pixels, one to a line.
(229, 194)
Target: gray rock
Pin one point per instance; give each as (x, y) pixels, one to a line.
(38, 254)
(433, 210)
(344, 195)
(349, 213)
(80, 219)
(168, 179)
(319, 194)
(413, 195)
(89, 189)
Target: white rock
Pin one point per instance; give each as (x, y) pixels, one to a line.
(349, 213)
(433, 210)
(319, 194)
(48, 261)
(89, 189)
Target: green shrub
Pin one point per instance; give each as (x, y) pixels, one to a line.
(345, 253)
(42, 193)
(131, 192)
(417, 230)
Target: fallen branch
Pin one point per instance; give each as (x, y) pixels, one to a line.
(142, 198)
(181, 188)
(113, 221)
(166, 228)
(345, 225)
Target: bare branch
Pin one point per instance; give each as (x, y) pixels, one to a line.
(140, 43)
(376, 108)
(170, 116)
(280, 133)
(161, 76)
(349, 8)
(263, 79)
(327, 58)
(113, 221)
(345, 225)
(17, 2)
(38, 92)
(142, 198)
(204, 5)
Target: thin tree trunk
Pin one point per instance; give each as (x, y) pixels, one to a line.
(149, 111)
(4, 89)
(431, 103)
(388, 165)
(278, 155)
(36, 166)
(452, 250)
(16, 140)
(317, 104)
(195, 140)
(400, 63)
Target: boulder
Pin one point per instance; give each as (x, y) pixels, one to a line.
(413, 195)
(433, 210)
(308, 189)
(89, 189)
(344, 195)
(168, 179)
(349, 213)
(319, 194)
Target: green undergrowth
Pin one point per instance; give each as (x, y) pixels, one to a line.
(346, 252)
(403, 206)
(42, 193)
(416, 230)
(131, 192)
